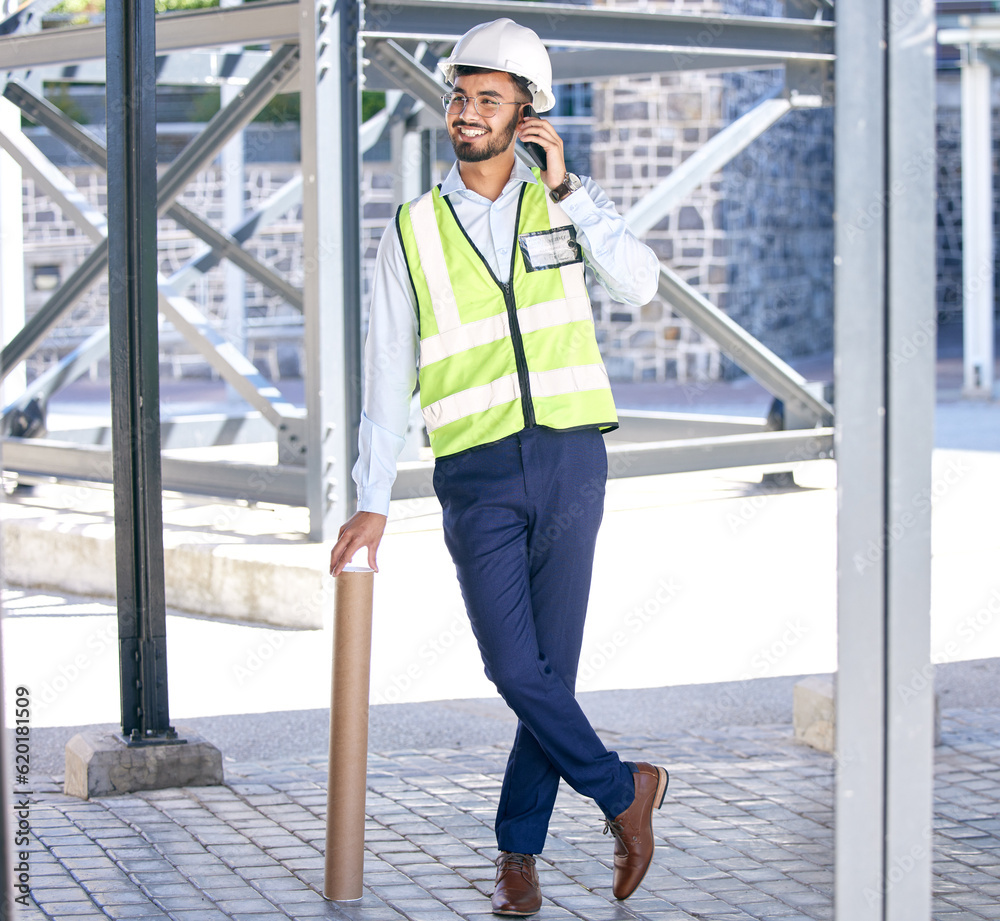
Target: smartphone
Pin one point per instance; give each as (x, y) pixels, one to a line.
(535, 151)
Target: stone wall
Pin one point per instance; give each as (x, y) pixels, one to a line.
(778, 196)
(644, 128)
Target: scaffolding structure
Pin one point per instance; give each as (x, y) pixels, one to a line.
(877, 56)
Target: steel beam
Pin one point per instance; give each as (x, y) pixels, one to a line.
(775, 375)
(195, 67)
(80, 360)
(84, 355)
(69, 461)
(281, 201)
(415, 478)
(685, 35)
(403, 70)
(973, 30)
(977, 227)
(55, 184)
(569, 26)
(704, 163)
(28, 19)
(884, 322)
(250, 24)
(234, 367)
(11, 245)
(331, 168)
(605, 64)
(42, 112)
(196, 155)
(910, 400)
(77, 363)
(229, 120)
(135, 372)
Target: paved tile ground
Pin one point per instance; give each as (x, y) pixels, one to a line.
(745, 833)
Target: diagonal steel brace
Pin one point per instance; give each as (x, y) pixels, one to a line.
(222, 355)
(281, 68)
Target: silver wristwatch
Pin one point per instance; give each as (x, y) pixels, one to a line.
(571, 182)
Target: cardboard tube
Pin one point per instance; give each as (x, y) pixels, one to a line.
(346, 782)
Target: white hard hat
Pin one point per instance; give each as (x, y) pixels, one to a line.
(504, 45)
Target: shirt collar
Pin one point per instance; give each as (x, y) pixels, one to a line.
(453, 181)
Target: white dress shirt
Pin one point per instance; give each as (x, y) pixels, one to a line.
(626, 267)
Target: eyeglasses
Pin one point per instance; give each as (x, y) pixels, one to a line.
(455, 103)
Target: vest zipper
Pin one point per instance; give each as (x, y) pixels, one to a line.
(520, 361)
(527, 408)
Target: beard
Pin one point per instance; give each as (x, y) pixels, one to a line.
(496, 142)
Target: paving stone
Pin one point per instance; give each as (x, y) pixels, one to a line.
(746, 834)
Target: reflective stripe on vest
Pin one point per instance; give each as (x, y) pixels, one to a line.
(480, 378)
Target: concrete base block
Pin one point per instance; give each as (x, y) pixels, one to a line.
(101, 764)
(814, 713)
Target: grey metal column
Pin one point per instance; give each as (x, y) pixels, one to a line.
(910, 384)
(884, 312)
(11, 245)
(135, 394)
(331, 225)
(234, 178)
(977, 225)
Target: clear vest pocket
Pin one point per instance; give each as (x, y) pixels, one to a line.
(549, 249)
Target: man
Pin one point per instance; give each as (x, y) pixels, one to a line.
(480, 283)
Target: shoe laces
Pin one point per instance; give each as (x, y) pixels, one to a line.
(510, 861)
(615, 828)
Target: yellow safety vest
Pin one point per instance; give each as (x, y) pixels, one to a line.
(495, 357)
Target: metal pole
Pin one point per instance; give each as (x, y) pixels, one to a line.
(11, 246)
(977, 226)
(233, 178)
(348, 764)
(135, 398)
(884, 310)
(331, 104)
(910, 396)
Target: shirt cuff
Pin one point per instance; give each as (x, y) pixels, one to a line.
(374, 499)
(580, 208)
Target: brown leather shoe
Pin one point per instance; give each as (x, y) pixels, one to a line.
(517, 891)
(633, 829)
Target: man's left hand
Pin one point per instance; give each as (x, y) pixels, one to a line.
(538, 131)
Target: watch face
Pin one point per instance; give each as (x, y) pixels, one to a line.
(573, 182)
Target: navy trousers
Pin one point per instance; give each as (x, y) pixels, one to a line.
(520, 521)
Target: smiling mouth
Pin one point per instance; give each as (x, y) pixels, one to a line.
(469, 133)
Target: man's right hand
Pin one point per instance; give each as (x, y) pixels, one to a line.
(363, 530)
